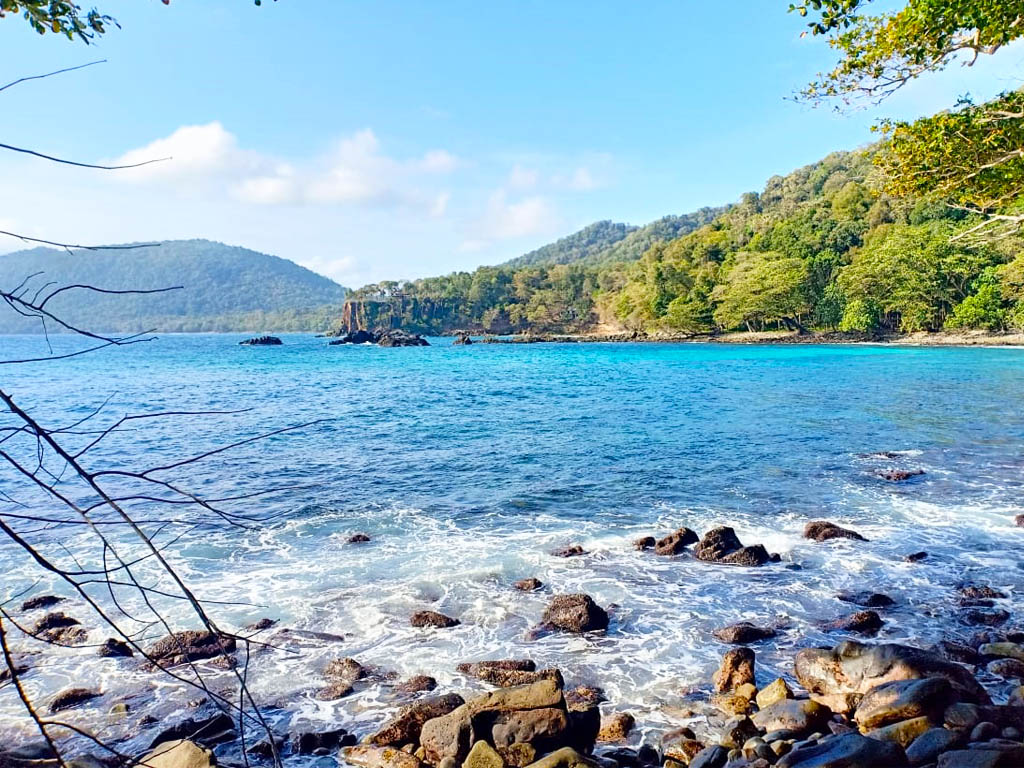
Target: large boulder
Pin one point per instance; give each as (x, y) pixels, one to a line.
(848, 750)
(839, 677)
(422, 619)
(903, 700)
(379, 757)
(721, 545)
(71, 697)
(262, 341)
(191, 645)
(405, 727)
(575, 613)
(742, 633)
(399, 338)
(544, 729)
(179, 754)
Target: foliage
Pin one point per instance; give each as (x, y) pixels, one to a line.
(224, 288)
(761, 288)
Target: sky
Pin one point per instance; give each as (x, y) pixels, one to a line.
(396, 140)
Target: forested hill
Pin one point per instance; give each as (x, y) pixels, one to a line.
(224, 288)
(823, 247)
(606, 242)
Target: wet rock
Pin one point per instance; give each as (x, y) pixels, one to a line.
(358, 538)
(405, 727)
(1018, 520)
(191, 645)
(71, 697)
(215, 728)
(416, 684)
(930, 744)
(528, 585)
(958, 652)
(721, 545)
(260, 625)
(478, 668)
(508, 678)
(736, 732)
(823, 530)
(985, 617)
(903, 700)
(864, 622)
(848, 750)
(41, 601)
(738, 702)
(984, 732)
(710, 757)
(800, 715)
(842, 675)
(574, 550)
(344, 670)
(675, 542)
(866, 599)
(583, 697)
(462, 340)
(680, 745)
(644, 542)
(575, 613)
(973, 592)
(335, 691)
(5, 673)
(915, 557)
(112, 648)
(736, 669)
(422, 619)
(903, 732)
(308, 742)
(743, 633)
(1009, 669)
(899, 475)
(55, 620)
(179, 754)
(775, 691)
(399, 338)
(379, 757)
(262, 341)
(566, 757)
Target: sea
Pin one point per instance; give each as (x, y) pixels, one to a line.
(466, 466)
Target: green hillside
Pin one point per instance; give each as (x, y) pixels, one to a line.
(223, 288)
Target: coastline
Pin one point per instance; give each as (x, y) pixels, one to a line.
(919, 339)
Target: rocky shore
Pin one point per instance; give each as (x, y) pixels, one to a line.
(852, 704)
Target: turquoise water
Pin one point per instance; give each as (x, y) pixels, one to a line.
(467, 465)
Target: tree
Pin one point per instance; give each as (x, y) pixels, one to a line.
(971, 157)
(761, 288)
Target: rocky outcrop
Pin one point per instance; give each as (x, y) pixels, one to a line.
(422, 619)
(721, 545)
(899, 475)
(71, 697)
(573, 550)
(823, 530)
(405, 727)
(392, 337)
(262, 341)
(848, 750)
(839, 677)
(179, 754)
(862, 622)
(866, 599)
(41, 601)
(743, 633)
(675, 542)
(528, 585)
(903, 700)
(113, 648)
(736, 669)
(575, 613)
(190, 645)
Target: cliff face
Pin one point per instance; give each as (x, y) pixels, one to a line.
(417, 315)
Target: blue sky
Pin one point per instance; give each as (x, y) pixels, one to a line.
(389, 139)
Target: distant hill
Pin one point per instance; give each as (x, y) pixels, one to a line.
(606, 242)
(225, 288)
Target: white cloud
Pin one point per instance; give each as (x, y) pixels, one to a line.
(523, 218)
(440, 204)
(208, 158)
(582, 180)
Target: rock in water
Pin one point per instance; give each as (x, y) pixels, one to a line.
(616, 727)
(399, 338)
(191, 645)
(839, 677)
(644, 542)
(866, 599)
(742, 633)
(864, 622)
(416, 684)
(737, 669)
(800, 715)
(573, 550)
(903, 700)
(71, 697)
(262, 341)
(422, 619)
(721, 545)
(42, 601)
(575, 613)
(406, 726)
(675, 542)
(179, 754)
(528, 585)
(823, 530)
(112, 648)
(899, 475)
